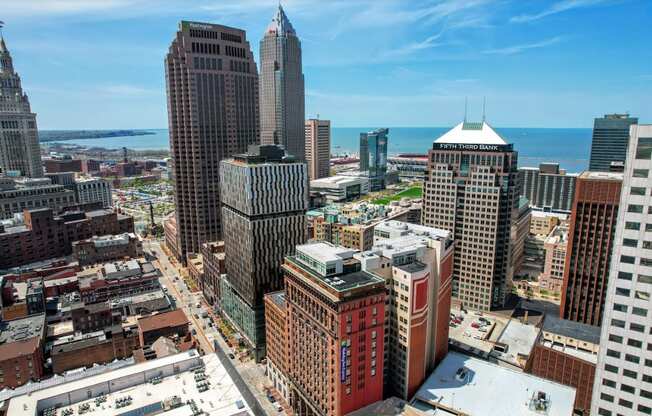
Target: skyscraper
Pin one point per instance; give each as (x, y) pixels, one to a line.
(318, 148)
(212, 90)
(19, 147)
(373, 157)
(264, 201)
(282, 101)
(624, 374)
(471, 189)
(590, 239)
(610, 138)
(548, 187)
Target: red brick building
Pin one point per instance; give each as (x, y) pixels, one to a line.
(335, 324)
(166, 324)
(62, 165)
(213, 258)
(117, 279)
(590, 242)
(44, 236)
(566, 352)
(21, 350)
(276, 336)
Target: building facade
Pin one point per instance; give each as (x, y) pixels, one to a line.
(278, 356)
(335, 324)
(471, 189)
(104, 248)
(373, 157)
(623, 376)
(21, 350)
(212, 91)
(265, 197)
(318, 148)
(19, 145)
(609, 142)
(548, 187)
(554, 247)
(90, 190)
(282, 96)
(214, 267)
(17, 195)
(590, 242)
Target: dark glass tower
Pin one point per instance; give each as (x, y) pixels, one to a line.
(373, 157)
(609, 143)
(212, 90)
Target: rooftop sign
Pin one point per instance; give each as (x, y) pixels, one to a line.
(470, 147)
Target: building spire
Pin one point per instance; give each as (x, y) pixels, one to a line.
(484, 108)
(280, 24)
(466, 107)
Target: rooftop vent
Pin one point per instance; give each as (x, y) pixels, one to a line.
(540, 402)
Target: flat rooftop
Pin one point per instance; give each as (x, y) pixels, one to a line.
(221, 398)
(612, 176)
(278, 298)
(335, 181)
(325, 252)
(400, 228)
(485, 389)
(572, 329)
(21, 329)
(520, 339)
(340, 282)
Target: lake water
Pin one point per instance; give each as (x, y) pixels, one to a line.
(569, 147)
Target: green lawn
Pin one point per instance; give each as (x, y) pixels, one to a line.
(413, 192)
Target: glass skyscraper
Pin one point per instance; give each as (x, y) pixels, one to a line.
(610, 138)
(373, 157)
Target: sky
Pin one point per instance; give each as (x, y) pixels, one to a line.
(98, 64)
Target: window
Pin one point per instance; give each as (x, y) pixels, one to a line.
(644, 148)
(624, 275)
(627, 389)
(616, 338)
(632, 358)
(646, 394)
(643, 278)
(627, 259)
(629, 373)
(612, 353)
(607, 397)
(637, 209)
(620, 308)
(611, 368)
(640, 173)
(622, 292)
(625, 403)
(637, 190)
(646, 262)
(630, 242)
(634, 343)
(629, 225)
(608, 383)
(648, 227)
(644, 409)
(641, 295)
(639, 311)
(603, 412)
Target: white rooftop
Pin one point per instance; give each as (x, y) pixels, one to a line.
(399, 228)
(222, 398)
(337, 180)
(487, 389)
(325, 252)
(471, 133)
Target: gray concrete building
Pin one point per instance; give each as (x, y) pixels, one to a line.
(264, 201)
(548, 187)
(282, 95)
(212, 93)
(90, 190)
(471, 189)
(19, 147)
(609, 142)
(318, 148)
(17, 194)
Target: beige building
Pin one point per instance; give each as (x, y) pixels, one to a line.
(318, 147)
(542, 223)
(554, 246)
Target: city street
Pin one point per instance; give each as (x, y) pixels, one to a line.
(202, 318)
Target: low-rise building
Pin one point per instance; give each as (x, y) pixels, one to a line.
(567, 352)
(213, 257)
(64, 164)
(20, 299)
(18, 194)
(276, 334)
(552, 278)
(542, 222)
(166, 324)
(40, 235)
(466, 386)
(170, 230)
(21, 350)
(117, 279)
(195, 264)
(340, 188)
(108, 247)
(93, 190)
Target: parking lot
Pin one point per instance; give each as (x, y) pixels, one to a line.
(474, 331)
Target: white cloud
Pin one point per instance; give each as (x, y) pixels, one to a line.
(558, 7)
(515, 49)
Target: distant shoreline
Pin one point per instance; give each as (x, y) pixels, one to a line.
(46, 136)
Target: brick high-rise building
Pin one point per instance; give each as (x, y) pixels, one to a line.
(318, 148)
(590, 242)
(212, 90)
(623, 378)
(264, 197)
(19, 148)
(282, 100)
(471, 189)
(335, 325)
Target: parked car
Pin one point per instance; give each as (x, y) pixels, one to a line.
(231, 356)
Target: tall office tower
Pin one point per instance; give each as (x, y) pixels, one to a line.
(471, 189)
(264, 201)
(335, 329)
(548, 187)
(212, 90)
(19, 148)
(610, 139)
(416, 263)
(590, 240)
(318, 148)
(373, 157)
(624, 375)
(282, 100)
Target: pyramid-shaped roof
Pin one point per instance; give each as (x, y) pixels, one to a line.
(471, 133)
(280, 24)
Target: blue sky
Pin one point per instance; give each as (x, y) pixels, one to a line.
(540, 63)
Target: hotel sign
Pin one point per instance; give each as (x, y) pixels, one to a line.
(343, 363)
(471, 147)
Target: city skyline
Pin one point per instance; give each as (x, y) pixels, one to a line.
(415, 72)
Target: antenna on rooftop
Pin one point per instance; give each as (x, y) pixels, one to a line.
(466, 106)
(484, 107)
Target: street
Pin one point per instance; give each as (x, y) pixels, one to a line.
(202, 318)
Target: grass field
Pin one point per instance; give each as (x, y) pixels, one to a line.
(413, 192)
